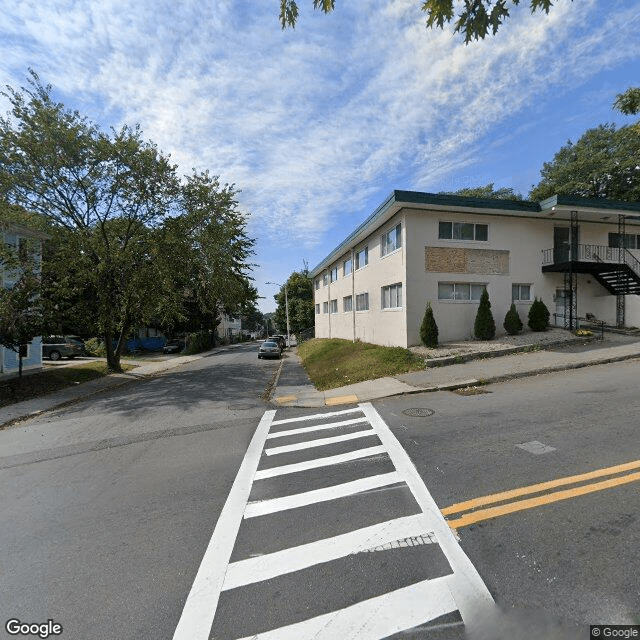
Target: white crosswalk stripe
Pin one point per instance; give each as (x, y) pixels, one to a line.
(374, 617)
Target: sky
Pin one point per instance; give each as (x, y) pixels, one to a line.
(317, 125)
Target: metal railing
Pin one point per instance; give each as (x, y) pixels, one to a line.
(589, 253)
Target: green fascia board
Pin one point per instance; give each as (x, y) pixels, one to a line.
(419, 197)
(586, 203)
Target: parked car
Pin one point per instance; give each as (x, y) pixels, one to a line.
(281, 340)
(173, 346)
(269, 349)
(56, 347)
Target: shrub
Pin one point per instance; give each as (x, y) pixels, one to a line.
(197, 342)
(485, 326)
(429, 328)
(95, 347)
(512, 323)
(538, 316)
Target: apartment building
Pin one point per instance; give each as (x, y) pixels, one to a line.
(580, 256)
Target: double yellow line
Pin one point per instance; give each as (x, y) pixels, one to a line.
(511, 504)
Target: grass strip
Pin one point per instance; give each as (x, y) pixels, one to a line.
(333, 362)
(35, 385)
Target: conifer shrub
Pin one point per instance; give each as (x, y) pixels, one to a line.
(429, 328)
(512, 323)
(485, 326)
(538, 316)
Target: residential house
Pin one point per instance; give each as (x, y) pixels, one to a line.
(580, 256)
(14, 235)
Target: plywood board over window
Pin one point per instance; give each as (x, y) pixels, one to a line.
(461, 260)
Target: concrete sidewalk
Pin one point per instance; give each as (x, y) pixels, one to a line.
(30, 408)
(573, 354)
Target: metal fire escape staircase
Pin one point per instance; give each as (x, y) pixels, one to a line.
(615, 268)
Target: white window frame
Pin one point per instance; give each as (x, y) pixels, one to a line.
(389, 245)
(362, 299)
(317, 283)
(348, 261)
(325, 279)
(365, 251)
(333, 274)
(333, 305)
(325, 307)
(318, 309)
(347, 304)
(460, 225)
(459, 292)
(519, 299)
(389, 295)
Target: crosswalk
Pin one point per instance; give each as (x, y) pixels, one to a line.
(329, 533)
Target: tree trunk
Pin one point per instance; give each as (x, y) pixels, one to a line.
(113, 357)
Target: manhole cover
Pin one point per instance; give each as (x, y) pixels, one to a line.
(418, 413)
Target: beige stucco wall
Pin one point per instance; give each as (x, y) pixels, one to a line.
(512, 254)
(378, 326)
(524, 239)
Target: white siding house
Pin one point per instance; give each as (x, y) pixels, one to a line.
(444, 249)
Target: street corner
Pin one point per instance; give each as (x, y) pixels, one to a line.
(347, 399)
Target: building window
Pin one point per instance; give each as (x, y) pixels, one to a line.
(325, 279)
(521, 292)
(333, 306)
(325, 307)
(347, 267)
(362, 302)
(460, 291)
(334, 274)
(391, 240)
(317, 283)
(631, 241)
(317, 309)
(463, 231)
(362, 258)
(347, 303)
(392, 296)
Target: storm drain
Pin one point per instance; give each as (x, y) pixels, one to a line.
(418, 413)
(413, 541)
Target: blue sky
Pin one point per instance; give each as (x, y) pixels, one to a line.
(317, 125)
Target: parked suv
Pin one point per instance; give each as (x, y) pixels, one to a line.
(56, 347)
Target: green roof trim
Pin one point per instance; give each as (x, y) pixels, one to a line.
(400, 197)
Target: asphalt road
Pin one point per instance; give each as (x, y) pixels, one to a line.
(561, 565)
(108, 507)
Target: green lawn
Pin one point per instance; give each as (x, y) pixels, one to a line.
(34, 385)
(333, 363)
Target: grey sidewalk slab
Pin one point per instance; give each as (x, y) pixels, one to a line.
(472, 372)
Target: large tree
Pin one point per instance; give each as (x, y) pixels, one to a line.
(628, 102)
(300, 295)
(475, 20)
(209, 254)
(603, 163)
(105, 194)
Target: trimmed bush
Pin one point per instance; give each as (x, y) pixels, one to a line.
(512, 323)
(429, 328)
(95, 347)
(197, 342)
(485, 326)
(538, 316)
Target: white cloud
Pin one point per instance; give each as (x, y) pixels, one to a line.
(308, 123)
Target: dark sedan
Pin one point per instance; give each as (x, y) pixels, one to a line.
(269, 349)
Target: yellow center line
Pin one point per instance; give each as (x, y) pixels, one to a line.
(536, 488)
(529, 503)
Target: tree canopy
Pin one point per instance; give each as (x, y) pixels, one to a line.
(488, 191)
(475, 20)
(130, 242)
(603, 163)
(628, 102)
(300, 294)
